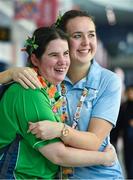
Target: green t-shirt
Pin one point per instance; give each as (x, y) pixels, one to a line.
(18, 106)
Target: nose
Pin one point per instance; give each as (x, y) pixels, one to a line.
(61, 60)
(85, 40)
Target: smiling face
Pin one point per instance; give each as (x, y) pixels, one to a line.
(83, 42)
(55, 61)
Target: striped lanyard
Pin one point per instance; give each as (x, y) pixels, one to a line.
(79, 107)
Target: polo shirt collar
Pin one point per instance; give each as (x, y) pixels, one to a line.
(92, 80)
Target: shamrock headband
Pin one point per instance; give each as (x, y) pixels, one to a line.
(30, 44)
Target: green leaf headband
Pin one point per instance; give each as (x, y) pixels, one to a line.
(58, 20)
(30, 42)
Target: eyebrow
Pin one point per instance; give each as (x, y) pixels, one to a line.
(57, 52)
(52, 53)
(80, 32)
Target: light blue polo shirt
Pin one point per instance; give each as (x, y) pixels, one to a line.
(103, 101)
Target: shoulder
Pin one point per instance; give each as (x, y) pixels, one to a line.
(18, 91)
(103, 74)
(110, 78)
(109, 74)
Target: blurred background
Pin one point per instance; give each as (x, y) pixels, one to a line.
(19, 18)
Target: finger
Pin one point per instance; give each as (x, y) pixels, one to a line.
(38, 136)
(34, 131)
(31, 126)
(24, 80)
(109, 147)
(22, 83)
(32, 76)
(30, 130)
(32, 123)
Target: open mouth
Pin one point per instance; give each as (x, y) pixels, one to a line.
(84, 51)
(61, 70)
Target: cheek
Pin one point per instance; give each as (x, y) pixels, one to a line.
(73, 44)
(68, 62)
(44, 67)
(94, 45)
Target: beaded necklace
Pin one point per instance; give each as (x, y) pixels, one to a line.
(54, 96)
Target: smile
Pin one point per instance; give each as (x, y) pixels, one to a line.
(84, 51)
(60, 70)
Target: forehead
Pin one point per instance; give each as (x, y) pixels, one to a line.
(80, 24)
(56, 43)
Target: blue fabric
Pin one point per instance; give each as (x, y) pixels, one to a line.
(103, 102)
(10, 162)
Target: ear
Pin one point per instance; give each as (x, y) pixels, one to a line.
(34, 60)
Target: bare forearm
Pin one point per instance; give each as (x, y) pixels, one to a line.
(75, 157)
(68, 156)
(81, 140)
(6, 76)
(78, 139)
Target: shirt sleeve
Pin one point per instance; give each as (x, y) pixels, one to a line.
(34, 106)
(108, 102)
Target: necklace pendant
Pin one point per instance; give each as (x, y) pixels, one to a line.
(64, 117)
(54, 109)
(85, 91)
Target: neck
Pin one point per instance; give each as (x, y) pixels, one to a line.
(76, 73)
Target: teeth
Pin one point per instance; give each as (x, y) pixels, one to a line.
(62, 69)
(84, 51)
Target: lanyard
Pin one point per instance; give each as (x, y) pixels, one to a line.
(79, 107)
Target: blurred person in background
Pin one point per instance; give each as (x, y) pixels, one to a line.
(124, 129)
(92, 95)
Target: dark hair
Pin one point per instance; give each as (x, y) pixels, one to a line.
(62, 23)
(41, 37)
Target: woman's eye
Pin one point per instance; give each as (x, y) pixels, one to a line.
(91, 35)
(66, 53)
(77, 36)
(54, 55)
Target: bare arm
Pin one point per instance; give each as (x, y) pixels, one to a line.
(5, 76)
(92, 139)
(26, 76)
(68, 156)
(78, 139)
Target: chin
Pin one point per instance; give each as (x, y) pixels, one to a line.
(58, 81)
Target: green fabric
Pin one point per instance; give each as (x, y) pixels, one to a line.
(18, 106)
